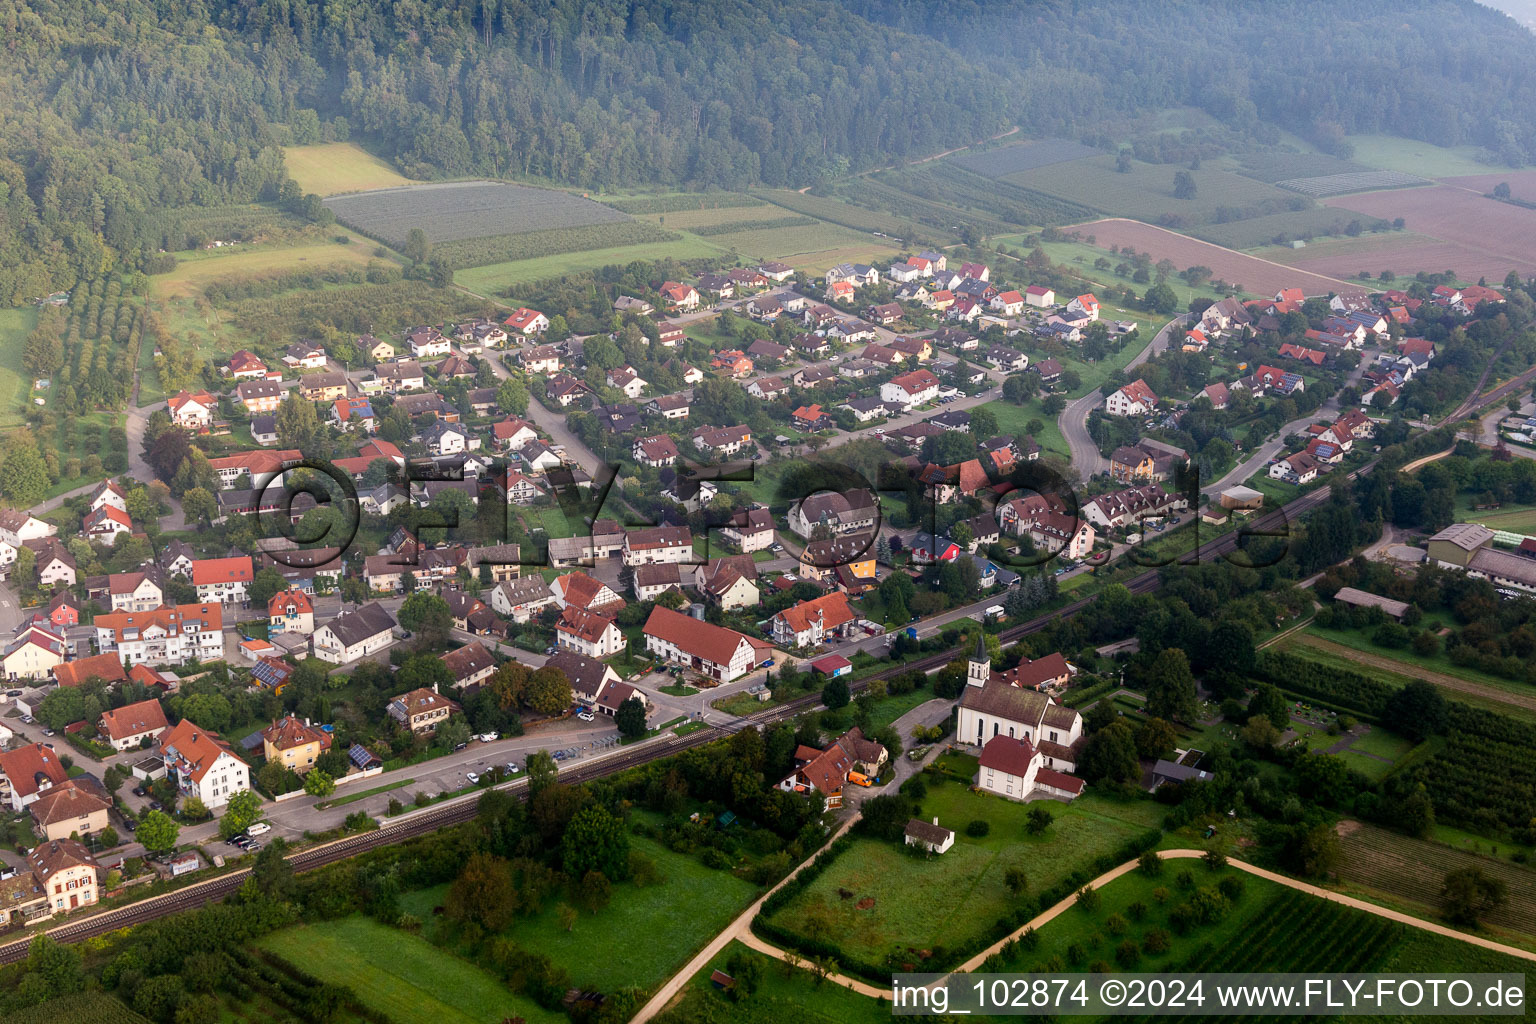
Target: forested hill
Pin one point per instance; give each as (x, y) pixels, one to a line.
(114, 116)
(1450, 72)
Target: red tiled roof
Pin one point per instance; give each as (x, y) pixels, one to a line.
(701, 639)
(133, 719)
(222, 570)
(1008, 755)
(106, 667)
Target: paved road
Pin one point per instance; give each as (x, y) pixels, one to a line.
(1073, 420)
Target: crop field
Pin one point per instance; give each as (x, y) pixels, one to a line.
(1275, 166)
(1298, 932)
(471, 209)
(1515, 520)
(1455, 215)
(670, 202)
(400, 974)
(1255, 275)
(1356, 646)
(1362, 247)
(94, 1007)
(1079, 257)
(479, 252)
(1025, 156)
(1146, 191)
(1279, 228)
(332, 167)
(850, 215)
(1352, 181)
(712, 218)
(808, 248)
(496, 277)
(1413, 870)
(952, 191)
(1390, 153)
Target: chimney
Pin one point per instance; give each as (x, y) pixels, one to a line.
(935, 819)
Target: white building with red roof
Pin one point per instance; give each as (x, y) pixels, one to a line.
(28, 772)
(106, 524)
(224, 580)
(1039, 296)
(128, 726)
(1134, 399)
(202, 765)
(911, 389)
(1086, 304)
(192, 409)
(720, 653)
(526, 322)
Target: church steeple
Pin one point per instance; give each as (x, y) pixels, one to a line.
(979, 669)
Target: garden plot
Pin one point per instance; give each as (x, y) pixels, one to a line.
(1358, 181)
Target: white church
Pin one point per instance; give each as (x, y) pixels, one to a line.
(1028, 742)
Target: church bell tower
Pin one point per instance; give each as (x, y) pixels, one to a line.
(979, 669)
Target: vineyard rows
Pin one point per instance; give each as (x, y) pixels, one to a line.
(683, 201)
(482, 252)
(471, 209)
(733, 227)
(1356, 181)
(1415, 870)
(859, 218)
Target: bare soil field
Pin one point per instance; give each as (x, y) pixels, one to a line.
(1485, 238)
(1522, 184)
(1254, 274)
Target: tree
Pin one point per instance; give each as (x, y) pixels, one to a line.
(416, 246)
(1160, 298)
(566, 914)
(319, 783)
(983, 423)
(1170, 687)
(1019, 388)
(1017, 881)
(1416, 711)
(1038, 820)
(630, 718)
(1184, 185)
(1110, 755)
(595, 841)
(297, 422)
(23, 473)
(198, 505)
(1155, 738)
(835, 694)
(243, 809)
(595, 891)
(428, 616)
(158, 832)
(512, 396)
(1468, 894)
(1269, 703)
(483, 893)
(273, 874)
(1052, 405)
(266, 584)
(549, 692)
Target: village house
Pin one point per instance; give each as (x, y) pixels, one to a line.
(679, 297)
(1131, 507)
(1134, 399)
(471, 665)
(909, 390)
(749, 530)
(398, 377)
(658, 544)
(842, 513)
(323, 387)
(192, 409)
(294, 744)
(526, 322)
(223, 580)
(131, 725)
(245, 365)
(720, 653)
(519, 599)
(422, 710)
(354, 634)
(105, 667)
(136, 591)
(67, 873)
(1146, 460)
(588, 633)
(722, 441)
(201, 764)
(168, 635)
(290, 611)
(584, 592)
(27, 773)
(73, 809)
(304, 355)
(810, 623)
(105, 524)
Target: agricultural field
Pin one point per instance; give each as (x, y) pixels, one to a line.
(1079, 257)
(946, 195)
(1352, 181)
(401, 975)
(1514, 520)
(1390, 153)
(478, 252)
(1362, 248)
(857, 218)
(784, 994)
(496, 278)
(926, 904)
(1146, 190)
(1262, 231)
(1274, 165)
(332, 167)
(1522, 184)
(471, 209)
(1255, 275)
(669, 202)
(1409, 872)
(1482, 237)
(93, 1007)
(1026, 156)
(810, 249)
(15, 325)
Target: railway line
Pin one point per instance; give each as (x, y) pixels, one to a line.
(462, 809)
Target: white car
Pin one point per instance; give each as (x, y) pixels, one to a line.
(258, 828)
(472, 777)
(587, 716)
(488, 737)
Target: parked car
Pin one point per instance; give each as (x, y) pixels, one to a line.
(13, 693)
(587, 716)
(27, 720)
(258, 828)
(512, 769)
(130, 824)
(155, 805)
(140, 791)
(472, 777)
(47, 732)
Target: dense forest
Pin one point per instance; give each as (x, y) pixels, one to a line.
(118, 115)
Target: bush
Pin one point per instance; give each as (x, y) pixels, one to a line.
(1150, 864)
(1089, 899)
(978, 828)
(1156, 941)
(1128, 954)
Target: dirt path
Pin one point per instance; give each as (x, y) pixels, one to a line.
(1438, 678)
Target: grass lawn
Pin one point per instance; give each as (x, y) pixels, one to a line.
(622, 946)
(784, 994)
(1367, 766)
(1513, 518)
(15, 325)
(492, 279)
(1360, 640)
(679, 690)
(84, 437)
(925, 904)
(888, 709)
(1079, 258)
(400, 974)
(1014, 419)
(1411, 156)
(194, 271)
(1382, 743)
(332, 167)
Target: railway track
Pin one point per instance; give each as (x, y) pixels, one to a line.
(463, 810)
